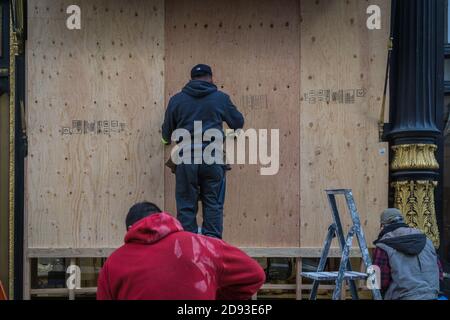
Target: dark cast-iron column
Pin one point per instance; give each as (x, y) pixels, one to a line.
(415, 85)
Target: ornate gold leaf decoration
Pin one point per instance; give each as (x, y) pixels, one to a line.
(415, 199)
(12, 163)
(414, 156)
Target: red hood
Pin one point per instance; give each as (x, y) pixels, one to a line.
(153, 228)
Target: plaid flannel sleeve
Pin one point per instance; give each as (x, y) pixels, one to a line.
(381, 259)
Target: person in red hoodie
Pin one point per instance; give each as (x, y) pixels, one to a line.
(160, 261)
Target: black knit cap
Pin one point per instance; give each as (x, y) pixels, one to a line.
(201, 70)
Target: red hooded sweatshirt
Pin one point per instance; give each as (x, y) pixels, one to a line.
(161, 261)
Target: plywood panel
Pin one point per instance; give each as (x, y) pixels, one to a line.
(253, 47)
(339, 137)
(278, 60)
(80, 184)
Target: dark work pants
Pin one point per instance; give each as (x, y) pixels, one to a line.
(204, 182)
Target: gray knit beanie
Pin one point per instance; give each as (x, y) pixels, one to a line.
(390, 216)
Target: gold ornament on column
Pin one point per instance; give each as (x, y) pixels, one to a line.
(414, 156)
(415, 198)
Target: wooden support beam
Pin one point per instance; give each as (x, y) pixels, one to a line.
(58, 292)
(72, 290)
(26, 279)
(252, 252)
(298, 278)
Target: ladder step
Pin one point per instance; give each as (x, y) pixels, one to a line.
(330, 276)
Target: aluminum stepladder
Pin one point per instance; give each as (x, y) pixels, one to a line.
(345, 243)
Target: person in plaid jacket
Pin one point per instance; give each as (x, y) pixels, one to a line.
(409, 266)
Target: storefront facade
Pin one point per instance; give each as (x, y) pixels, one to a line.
(284, 57)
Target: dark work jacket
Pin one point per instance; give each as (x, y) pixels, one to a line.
(200, 101)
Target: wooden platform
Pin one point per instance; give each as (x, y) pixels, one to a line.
(299, 288)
